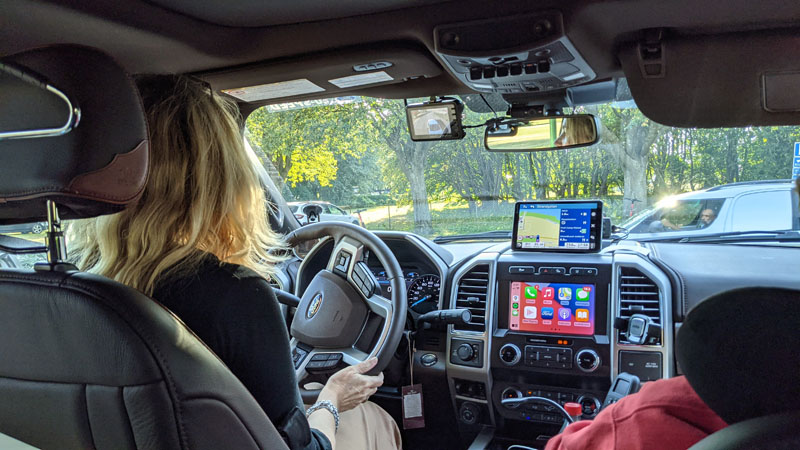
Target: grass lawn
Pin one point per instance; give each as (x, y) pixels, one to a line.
(448, 218)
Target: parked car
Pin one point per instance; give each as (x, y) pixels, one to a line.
(329, 213)
(746, 206)
(35, 228)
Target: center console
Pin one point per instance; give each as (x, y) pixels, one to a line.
(543, 309)
(551, 335)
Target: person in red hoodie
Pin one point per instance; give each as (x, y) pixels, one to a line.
(664, 414)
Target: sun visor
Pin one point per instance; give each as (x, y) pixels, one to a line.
(727, 80)
(324, 75)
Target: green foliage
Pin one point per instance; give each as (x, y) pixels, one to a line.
(359, 155)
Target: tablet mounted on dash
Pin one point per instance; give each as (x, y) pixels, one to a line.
(574, 226)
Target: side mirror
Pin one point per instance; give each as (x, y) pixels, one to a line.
(313, 213)
(546, 133)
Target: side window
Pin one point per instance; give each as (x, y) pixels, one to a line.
(682, 215)
(770, 210)
(325, 209)
(33, 232)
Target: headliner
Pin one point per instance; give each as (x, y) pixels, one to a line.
(184, 36)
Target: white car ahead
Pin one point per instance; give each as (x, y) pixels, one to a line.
(330, 213)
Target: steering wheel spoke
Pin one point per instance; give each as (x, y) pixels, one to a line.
(380, 305)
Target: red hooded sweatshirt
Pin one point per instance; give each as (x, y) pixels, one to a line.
(664, 415)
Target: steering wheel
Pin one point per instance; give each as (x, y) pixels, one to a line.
(341, 316)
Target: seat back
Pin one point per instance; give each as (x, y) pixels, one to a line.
(739, 351)
(86, 362)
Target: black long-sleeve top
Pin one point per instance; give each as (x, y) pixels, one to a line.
(235, 312)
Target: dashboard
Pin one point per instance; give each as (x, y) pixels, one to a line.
(543, 322)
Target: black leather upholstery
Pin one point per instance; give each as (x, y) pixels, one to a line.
(88, 363)
(774, 432)
(739, 351)
(98, 167)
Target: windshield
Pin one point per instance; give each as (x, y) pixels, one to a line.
(355, 155)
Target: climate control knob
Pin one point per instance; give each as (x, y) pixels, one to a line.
(587, 359)
(465, 352)
(510, 354)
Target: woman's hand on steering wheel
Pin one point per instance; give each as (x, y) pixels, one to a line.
(350, 386)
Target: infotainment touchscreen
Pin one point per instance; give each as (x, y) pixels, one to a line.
(566, 226)
(557, 308)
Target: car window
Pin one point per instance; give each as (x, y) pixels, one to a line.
(356, 153)
(325, 209)
(770, 210)
(678, 215)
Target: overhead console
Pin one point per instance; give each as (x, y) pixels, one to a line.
(512, 55)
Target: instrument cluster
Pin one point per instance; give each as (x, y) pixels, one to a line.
(422, 289)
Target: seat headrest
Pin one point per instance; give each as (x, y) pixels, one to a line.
(100, 166)
(740, 351)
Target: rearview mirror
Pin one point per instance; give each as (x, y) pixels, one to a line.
(545, 133)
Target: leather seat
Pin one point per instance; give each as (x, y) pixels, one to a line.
(86, 362)
(739, 352)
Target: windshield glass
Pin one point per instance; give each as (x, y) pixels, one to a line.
(354, 157)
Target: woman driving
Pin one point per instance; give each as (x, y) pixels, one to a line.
(198, 241)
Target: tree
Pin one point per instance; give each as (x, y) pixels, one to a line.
(628, 136)
(389, 125)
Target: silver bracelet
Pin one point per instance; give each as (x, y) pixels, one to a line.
(325, 404)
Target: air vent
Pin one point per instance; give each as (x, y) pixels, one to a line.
(473, 289)
(638, 294)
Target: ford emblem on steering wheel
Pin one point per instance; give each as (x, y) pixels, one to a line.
(314, 306)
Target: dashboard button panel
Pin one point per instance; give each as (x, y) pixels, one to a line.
(542, 412)
(583, 271)
(466, 352)
(548, 357)
(522, 269)
(552, 271)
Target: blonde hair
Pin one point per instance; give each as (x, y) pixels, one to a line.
(203, 195)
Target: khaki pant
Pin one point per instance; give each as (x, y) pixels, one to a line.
(367, 427)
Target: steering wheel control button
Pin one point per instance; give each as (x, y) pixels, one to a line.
(323, 361)
(428, 360)
(342, 262)
(510, 354)
(522, 269)
(298, 355)
(363, 279)
(587, 359)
